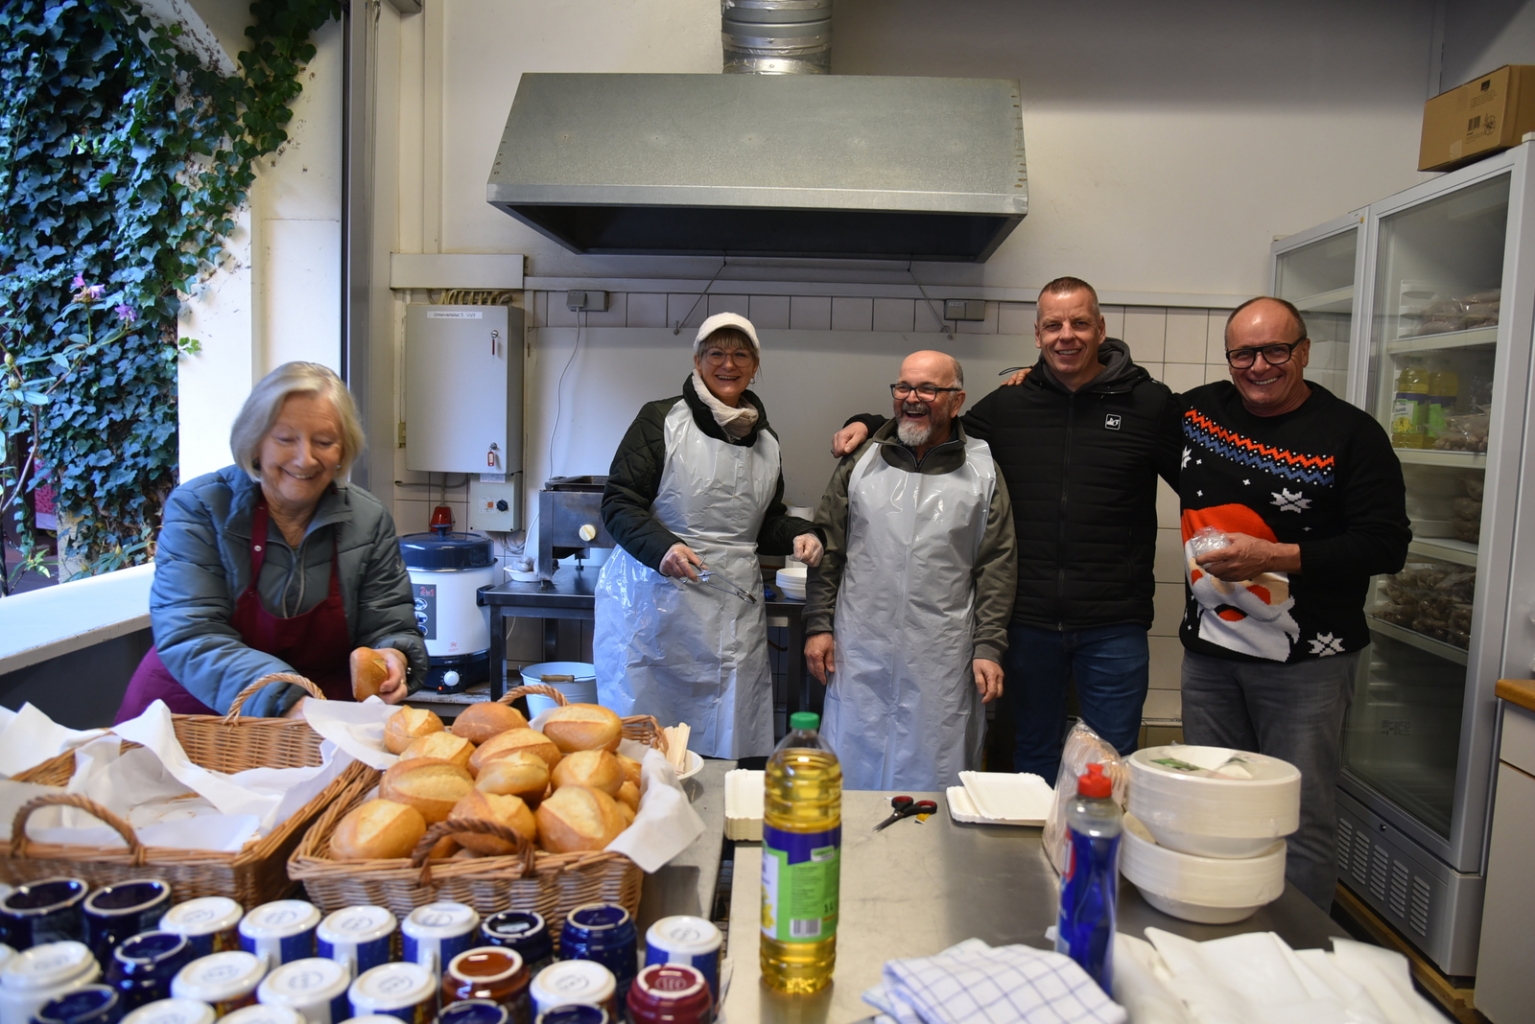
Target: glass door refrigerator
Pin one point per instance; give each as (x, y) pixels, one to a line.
(1316, 270)
(1441, 308)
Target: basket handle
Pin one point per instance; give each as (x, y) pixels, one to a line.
(538, 688)
(645, 729)
(19, 823)
(436, 833)
(267, 680)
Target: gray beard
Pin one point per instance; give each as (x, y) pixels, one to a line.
(914, 435)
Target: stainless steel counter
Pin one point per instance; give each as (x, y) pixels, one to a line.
(916, 889)
(687, 885)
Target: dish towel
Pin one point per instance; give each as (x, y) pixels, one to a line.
(975, 982)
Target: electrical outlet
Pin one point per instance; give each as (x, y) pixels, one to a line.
(586, 301)
(495, 507)
(964, 309)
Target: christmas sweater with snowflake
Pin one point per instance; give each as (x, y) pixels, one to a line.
(1323, 477)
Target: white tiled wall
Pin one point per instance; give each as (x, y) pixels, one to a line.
(1181, 347)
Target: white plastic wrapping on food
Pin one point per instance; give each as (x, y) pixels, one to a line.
(682, 652)
(902, 711)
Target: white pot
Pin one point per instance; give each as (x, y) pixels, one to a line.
(446, 612)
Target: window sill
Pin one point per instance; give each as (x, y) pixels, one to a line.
(46, 623)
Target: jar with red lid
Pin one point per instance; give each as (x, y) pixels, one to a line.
(670, 994)
(493, 973)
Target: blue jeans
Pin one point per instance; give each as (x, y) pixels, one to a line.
(1111, 665)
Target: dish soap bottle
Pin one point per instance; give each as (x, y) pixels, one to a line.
(1090, 884)
(801, 859)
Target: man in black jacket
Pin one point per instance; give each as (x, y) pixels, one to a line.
(1080, 444)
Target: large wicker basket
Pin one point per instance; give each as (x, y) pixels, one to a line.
(550, 883)
(254, 874)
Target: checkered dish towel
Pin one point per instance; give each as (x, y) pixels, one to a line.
(975, 982)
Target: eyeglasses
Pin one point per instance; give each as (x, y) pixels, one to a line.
(1275, 355)
(923, 392)
(737, 356)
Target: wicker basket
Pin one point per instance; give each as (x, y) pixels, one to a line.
(549, 883)
(253, 875)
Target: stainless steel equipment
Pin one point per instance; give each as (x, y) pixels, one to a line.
(1441, 302)
(570, 520)
(843, 166)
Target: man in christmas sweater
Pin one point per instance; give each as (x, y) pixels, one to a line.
(1310, 495)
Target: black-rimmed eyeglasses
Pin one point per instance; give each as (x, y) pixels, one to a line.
(923, 392)
(1275, 355)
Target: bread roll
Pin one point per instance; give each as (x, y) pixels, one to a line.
(597, 769)
(377, 829)
(369, 670)
(405, 725)
(629, 795)
(519, 773)
(444, 848)
(576, 819)
(430, 786)
(631, 769)
(628, 813)
(505, 810)
(479, 722)
(583, 727)
(441, 746)
(531, 740)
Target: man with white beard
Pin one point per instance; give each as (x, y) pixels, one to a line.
(906, 619)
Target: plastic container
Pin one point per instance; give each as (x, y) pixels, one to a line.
(33, 977)
(580, 690)
(1207, 890)
(801, 860)
(172, 1011)
(90, 1004)
(1213, 801)
(1090, 883)
(210, 923)
(315, 988)
(225, 981)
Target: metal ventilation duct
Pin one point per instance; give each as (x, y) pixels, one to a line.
(776, 37)
(765, 165)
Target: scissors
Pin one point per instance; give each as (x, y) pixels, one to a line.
(905, 807)
(707, 578)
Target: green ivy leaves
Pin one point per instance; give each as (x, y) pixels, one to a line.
(121, 160)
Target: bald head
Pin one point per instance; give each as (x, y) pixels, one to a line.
(932, 367)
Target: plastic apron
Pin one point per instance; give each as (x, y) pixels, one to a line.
(681, 651)
(902, 711)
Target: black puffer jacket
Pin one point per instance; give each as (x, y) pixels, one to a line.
(635, 479)
(1081, 470)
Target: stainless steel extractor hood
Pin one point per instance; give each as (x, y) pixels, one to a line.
(765, 165)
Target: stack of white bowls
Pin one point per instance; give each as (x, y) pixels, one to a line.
(791, 581)
(1205, 828)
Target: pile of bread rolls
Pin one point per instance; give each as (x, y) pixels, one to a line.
(565, 788)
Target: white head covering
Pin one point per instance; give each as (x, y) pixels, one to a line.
(719, 320)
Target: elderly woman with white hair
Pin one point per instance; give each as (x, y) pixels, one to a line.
(694, 494)
(277, 564)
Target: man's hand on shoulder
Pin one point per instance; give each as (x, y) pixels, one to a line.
(820, 656)
(988, 679)
(847, 440)
(1247, 557)
(1018, 377)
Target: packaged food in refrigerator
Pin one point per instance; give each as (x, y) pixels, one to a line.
(1474, 483)
(1467, 433)
(1467, 530)
(1468, 508)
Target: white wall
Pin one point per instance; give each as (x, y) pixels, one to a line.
(1483, 35)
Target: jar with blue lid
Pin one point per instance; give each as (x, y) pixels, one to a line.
(142, 967)
(604, 933)
(524, 931)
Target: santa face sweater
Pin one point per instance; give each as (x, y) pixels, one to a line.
(1323, 477)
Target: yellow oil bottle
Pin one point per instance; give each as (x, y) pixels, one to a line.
(1409, 410)
(1443, 393)
(801, 860)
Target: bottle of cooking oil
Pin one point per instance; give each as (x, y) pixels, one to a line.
(1410, 406)
(1443, 392)
(801, 859)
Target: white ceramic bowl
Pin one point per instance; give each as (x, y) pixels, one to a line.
(1200, 811)
(1209, 890)
(792, 580)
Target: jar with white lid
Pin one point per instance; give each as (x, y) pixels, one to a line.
(315, 987)
(260, 1014)
(31, 978)
(171, 1011)
(225, 981)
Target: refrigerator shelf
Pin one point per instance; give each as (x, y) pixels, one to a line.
(1336, 300)
(1441, 457)
(1438, 648)
(1438, 342)
(1446, 549)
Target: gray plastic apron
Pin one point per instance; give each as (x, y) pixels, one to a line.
(681, 651)
(902, 711)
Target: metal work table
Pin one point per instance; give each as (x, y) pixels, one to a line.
(569, 596)
(687, 884)
(916, 889)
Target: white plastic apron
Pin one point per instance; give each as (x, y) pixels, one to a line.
(681, 651)
(902, 711)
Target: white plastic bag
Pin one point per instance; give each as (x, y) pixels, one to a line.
(1083, 747)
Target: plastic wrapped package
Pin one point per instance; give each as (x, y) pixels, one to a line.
(1467, 433)
(1083, 747)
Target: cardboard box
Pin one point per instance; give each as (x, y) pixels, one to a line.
(1484, 116)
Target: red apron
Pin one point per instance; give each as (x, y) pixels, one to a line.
(317, 643)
